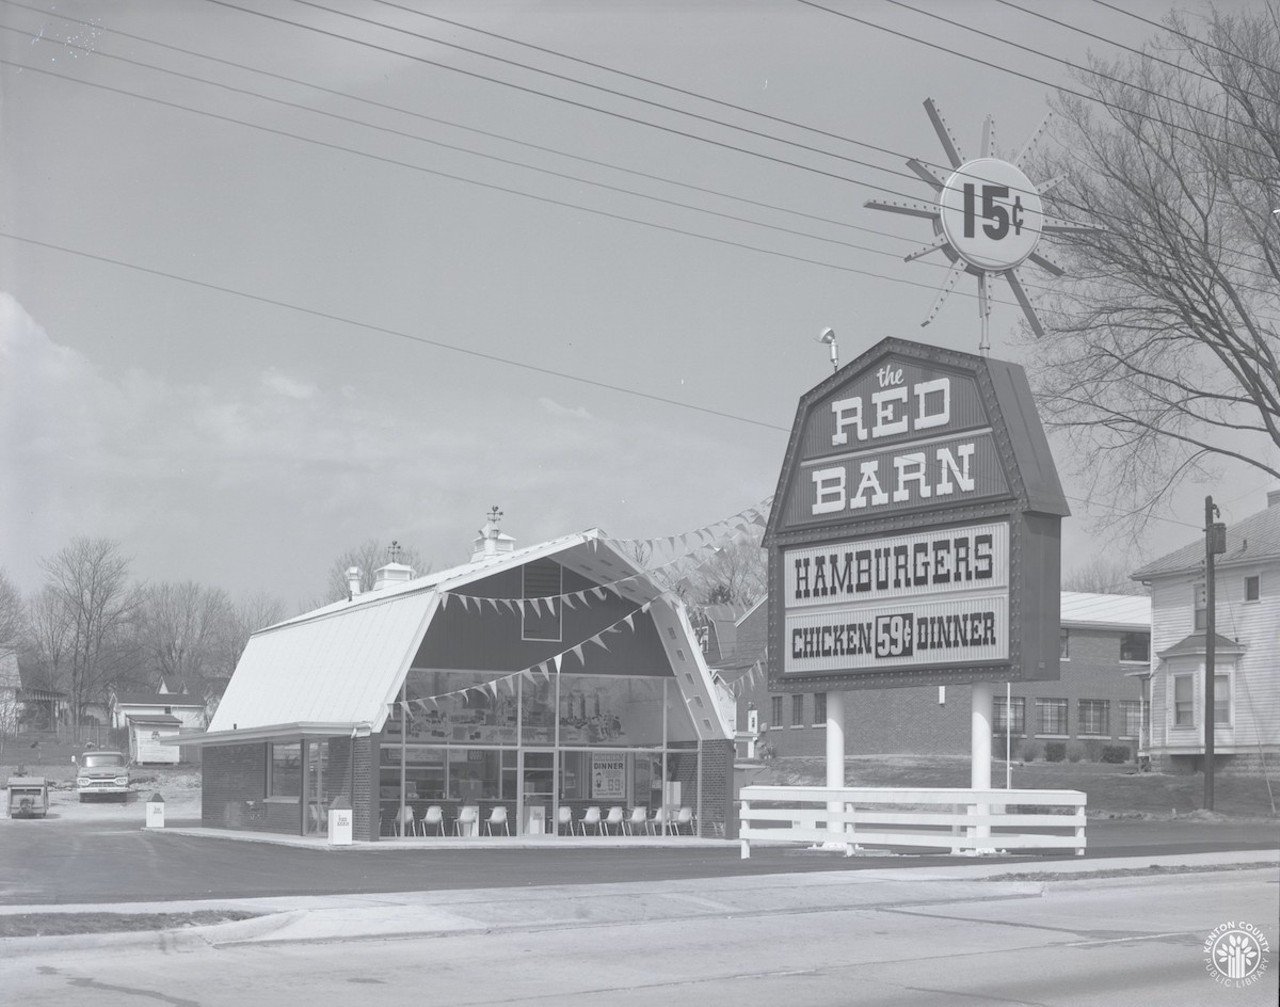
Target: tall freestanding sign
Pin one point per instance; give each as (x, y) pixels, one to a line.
(915, 534)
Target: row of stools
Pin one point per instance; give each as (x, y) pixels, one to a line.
(620, 823)
(593, 821)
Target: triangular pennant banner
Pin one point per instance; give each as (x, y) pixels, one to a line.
(558, 659)
(628, 620)
(444, 600)
(568, 600)
(601, 593)
(577, 652)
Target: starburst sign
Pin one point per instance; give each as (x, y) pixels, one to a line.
(987, 219)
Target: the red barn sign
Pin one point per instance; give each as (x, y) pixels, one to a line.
(914, 537)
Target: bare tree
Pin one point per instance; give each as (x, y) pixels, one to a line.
(369, 556)
(12, 612)
(736, 573)
(89, 592)
(181, 627)
(1102, 575)
(1161, 354)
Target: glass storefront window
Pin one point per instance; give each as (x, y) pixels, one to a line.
(478, 717)
(285, 778)
(538, 711)
(610, 710)
(476, 775)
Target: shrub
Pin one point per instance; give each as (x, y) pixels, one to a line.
(1092, 750)
(1054, 751)
(1115, 754)
(1030, 751)
(1075, 753)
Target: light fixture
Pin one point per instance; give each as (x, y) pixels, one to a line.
(828, 336)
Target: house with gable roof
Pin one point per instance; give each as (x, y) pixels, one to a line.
(1247, 649)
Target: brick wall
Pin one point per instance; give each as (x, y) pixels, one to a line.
(233, 786)
(365, 808)
(912, 721)
(717, 791)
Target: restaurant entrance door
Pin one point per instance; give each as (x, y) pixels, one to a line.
(536, 798)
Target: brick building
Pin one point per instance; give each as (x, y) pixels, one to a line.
(526, 683)
(1097, 701)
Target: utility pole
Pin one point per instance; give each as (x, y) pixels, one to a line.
(1215, 543)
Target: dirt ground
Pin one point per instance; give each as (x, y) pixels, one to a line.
(179, 786)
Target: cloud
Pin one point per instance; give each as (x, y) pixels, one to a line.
(280, 383)
(553, 408)
(255, 481)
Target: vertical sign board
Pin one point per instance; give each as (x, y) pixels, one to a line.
(914, 536)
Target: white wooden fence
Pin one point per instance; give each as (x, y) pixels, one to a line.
(949, 818)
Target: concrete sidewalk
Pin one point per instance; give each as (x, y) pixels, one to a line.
(390, 844)
(340, 918)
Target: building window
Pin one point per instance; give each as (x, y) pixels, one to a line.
(1135, 647)
(1053, 715)
(284, 771)
(1130, 718)
(1019, 707)
(1184, 701)
(775, 710)
(1252, 588)
(542, 579)
(797, 710)
(1094, 717)
(819, 709)
(1202, 606)
(1221, 700)
(1064, 645)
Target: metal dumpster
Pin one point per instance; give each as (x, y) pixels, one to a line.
(28, 796)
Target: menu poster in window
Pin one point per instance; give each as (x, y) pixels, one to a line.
(608, 776)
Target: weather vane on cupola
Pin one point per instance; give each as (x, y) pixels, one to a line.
(393, 552)
(987, 219)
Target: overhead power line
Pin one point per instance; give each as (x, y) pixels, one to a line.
(803, 167)
(440, 344)
(400, 109)
(1016, 73)
(1184, 35)
(387, 331)
(1120, 45)
(476, 182)
(1056, 59)
(605, 111)
(99, 52)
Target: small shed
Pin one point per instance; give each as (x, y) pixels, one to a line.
(146, 734)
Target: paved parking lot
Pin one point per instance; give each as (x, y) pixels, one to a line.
(114, 860)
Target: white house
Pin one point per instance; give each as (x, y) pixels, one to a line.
(1247, 649)
(154, 716)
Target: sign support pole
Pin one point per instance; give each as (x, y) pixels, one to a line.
(835, 761)
(980, 749)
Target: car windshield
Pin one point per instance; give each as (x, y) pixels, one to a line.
(101, 760)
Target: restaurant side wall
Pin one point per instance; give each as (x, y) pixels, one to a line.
(365, 804)
(717, 790)
(233, 788)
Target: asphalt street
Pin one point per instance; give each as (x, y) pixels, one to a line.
(50, 862)
(1133, 941)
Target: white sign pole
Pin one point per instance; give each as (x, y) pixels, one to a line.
(835, 761)
(980, 750)
(1008, 728)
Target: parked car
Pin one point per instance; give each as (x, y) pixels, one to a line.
(103, 773)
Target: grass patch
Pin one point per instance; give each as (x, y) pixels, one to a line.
(1151, 870)
(55, 924)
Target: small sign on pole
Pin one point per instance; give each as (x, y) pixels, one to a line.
(155, 812)
(340, 826)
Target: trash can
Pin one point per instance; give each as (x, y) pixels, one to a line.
(155, 812)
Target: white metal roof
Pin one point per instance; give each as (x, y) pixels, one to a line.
(342, 664)
(1106, 611)
(343, 668)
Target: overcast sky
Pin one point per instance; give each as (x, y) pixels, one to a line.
(243, 443)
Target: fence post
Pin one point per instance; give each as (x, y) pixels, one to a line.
(744, 830)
